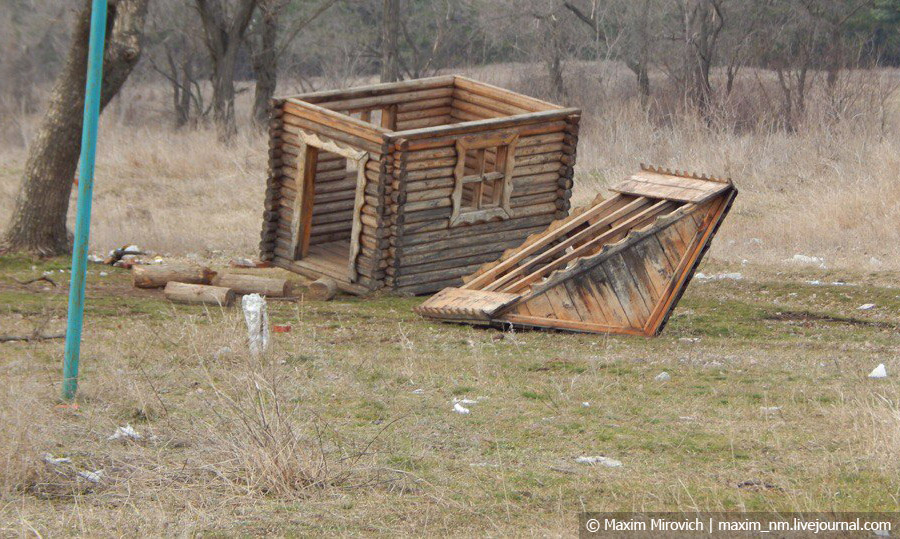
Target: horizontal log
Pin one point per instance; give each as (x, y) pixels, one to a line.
(443, 110)
(254, 284)
(379, 101)
(423, 122)
(502, 95)
(477, 110)
(334, 120)
(373, 90)
(474, 242)
(294, 124)
(198, 293)
(455, 272)
(423, 104)
(407, 238)
(442, 138)
(158, 276)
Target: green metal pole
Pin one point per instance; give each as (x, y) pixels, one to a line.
(85, 193)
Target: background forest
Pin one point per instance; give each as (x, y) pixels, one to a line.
(795, 99)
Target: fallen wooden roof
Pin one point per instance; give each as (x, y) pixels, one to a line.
(617, 266)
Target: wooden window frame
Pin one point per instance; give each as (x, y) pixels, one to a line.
(504, 143)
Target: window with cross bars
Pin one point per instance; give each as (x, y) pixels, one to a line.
(483, 179)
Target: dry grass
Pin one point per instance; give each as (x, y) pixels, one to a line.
(325, 435)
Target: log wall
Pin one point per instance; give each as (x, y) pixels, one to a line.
(410, 131)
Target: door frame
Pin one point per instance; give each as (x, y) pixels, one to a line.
(304, 202)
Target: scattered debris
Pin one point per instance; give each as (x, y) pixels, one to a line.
(95, 259)
(878, 372)
(689, 340)
(257, 318)
(756, 484)
(418, 391)
(242, 263)
(719, 277)
(460, 409)
(103, 274)
(34, 337)
(585, 404)
(809, 260)
(285, 328)
(126, 432)
(832, 283)
(93, 477)
(663, 377)
(768, 410)
(44, 278)
(866, 307)
(464, 401)
(605, 461)
(50, 459)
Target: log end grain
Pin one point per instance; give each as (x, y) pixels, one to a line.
(323, 289)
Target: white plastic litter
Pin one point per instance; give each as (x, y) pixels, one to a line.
(766, 410)
(257, 318)
(95, 259)
(132, 249)
(586, 404)
(460, 409)
(663, 377)
(103, 274)
(811, 260)
(878, 372)
(93, 477)
(125, 432)
(418, 391)
(719, 277)
(605, 461)
(50, 459)
(866, 307)
(464, 401)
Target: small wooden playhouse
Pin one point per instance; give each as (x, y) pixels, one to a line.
(411, 186)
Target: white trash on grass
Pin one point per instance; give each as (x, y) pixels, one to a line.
(878, 372)
(257, 318)
(663, 377)
(93, 477)
(809, 260)
(50, 459)
(125, 432)
(605, 461)
(719, 276)
(866, 307)
(460, 409)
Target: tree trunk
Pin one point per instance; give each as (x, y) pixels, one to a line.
(265, 66)
(38, 222)
(390, 49)
(223, 38)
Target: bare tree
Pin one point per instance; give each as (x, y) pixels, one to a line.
(224, 25)
(266, 49)
(38, 222)
(390, 41)
(703, 21)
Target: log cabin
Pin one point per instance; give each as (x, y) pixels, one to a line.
(410, 186)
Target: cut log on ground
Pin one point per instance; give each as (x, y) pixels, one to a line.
(253, 284)
(159, 276)
(323, 289)
(199, 293)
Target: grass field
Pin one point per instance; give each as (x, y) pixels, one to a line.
(347, 425)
